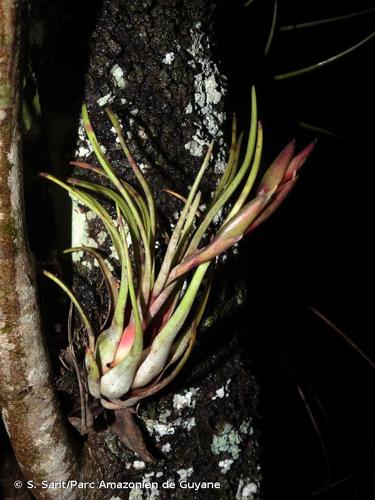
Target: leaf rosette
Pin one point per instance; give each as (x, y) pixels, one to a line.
(156, 308)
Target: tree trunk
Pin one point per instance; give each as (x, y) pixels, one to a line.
(29, 406)
(153, 63)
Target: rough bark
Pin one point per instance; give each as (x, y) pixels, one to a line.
(172, 104)
(153, 64)
(29, 406)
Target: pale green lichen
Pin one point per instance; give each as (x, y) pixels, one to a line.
(135, 494)
(227, 441)
(101, 237)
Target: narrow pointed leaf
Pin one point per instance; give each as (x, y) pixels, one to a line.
(93, 374)
(181, 344)
(220, 202)
(236, 159)
(133, 192)
(241, 200)
(277, 200)
(138, 243)
(147, 278)
(298, 161)
(230, 234)
(117, 381)
(109, 279)
(180, 197)
(73, 298)
(136, 395)
(125, 344)
(92, 204)
(274, 175)
(138, 343)
(155, 361)
(181, 247)
(88, 166)
(137, 171)
(232, 153)
(112, 195)
(171, 249)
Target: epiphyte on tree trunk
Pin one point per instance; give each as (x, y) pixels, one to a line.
(153, 316)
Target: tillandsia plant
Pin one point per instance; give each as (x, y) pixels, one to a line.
(155, 310)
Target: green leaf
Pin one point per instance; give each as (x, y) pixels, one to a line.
(136, 395)
(230, 165)
(93, 374)
(147, 278)
(229, 234)
(251, 178)
(109, 279)
(117, 381)
(137, 171)
(92, 204)
(73, 298)
(156, 359)
(220, 202)
(173, 242)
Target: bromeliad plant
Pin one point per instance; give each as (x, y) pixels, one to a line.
(155, 311)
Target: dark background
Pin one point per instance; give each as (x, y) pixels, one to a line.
(316, 251)
(316, 402)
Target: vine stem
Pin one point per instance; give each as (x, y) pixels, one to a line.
(327, 20)
(325, 62)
